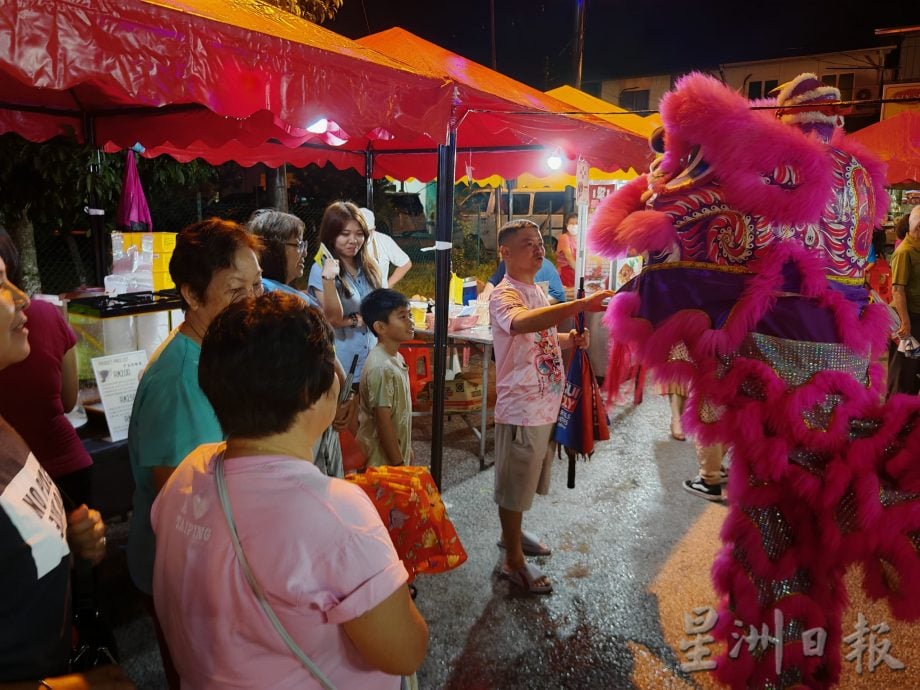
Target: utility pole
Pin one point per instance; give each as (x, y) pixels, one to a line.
(579, 40)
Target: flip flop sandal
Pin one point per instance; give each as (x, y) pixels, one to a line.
(530, 544)
(526, 577)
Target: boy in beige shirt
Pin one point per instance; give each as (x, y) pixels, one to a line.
(385, 414)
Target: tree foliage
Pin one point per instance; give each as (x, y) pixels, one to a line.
(316, 11)
(52, 181)
(46, 187)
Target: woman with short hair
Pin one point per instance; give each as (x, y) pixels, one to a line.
(214, 264)
(283, 248)
(315, 545)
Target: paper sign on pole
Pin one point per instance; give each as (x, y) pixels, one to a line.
(581, 182)
(117, 377)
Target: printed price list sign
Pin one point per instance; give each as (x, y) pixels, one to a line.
(117, 377)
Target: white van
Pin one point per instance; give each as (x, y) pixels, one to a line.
(486, 210)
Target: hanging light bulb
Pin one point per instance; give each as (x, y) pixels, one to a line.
(554, 160)
(319, 127)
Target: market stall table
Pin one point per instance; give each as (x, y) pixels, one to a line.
(478, 335)
(112, 479)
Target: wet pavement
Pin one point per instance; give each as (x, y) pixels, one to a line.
(631, 557)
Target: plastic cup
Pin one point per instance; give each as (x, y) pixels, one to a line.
(418, 310)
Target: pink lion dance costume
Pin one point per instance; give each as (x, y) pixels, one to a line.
(757, 224)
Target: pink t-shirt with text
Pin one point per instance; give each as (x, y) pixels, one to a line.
(316, 544)
(528, 366)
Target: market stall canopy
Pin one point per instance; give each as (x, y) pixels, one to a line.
(201, 73)
(643, 126)
(897, 142)
(504, 127)
(605, 110)
(498, 118)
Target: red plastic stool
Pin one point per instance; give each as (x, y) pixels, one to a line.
(417, 354)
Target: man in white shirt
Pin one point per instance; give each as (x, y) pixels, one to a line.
(385, 251)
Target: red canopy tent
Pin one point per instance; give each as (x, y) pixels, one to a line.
(897, 142)
(111, 73)
(503, 127)
(205, 72)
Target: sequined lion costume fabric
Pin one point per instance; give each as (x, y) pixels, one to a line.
(756, 224)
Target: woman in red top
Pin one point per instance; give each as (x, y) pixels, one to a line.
(46, 385)
(566, 249)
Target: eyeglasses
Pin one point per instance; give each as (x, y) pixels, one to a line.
(301, 246)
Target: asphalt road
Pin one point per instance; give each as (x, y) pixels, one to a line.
(631, 558)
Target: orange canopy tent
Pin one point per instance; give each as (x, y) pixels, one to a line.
(503, 126)
(242, 78)
(897, 142)
(643, 126)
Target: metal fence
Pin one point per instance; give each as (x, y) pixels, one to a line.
(66, 260)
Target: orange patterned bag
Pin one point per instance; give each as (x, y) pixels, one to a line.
(412, 510)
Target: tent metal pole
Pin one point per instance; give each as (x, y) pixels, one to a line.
(369, 176)
(96, 222)
(447, 163)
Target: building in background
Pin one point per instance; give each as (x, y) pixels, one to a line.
(859, 74)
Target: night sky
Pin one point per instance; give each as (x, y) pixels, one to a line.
(534, 38)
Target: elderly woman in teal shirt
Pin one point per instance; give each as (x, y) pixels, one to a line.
(214, 264)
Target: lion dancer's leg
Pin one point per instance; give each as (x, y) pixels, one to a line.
(822, 476)
(783, 588)
(781, 580)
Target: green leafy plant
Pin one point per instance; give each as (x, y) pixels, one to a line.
(316, 11)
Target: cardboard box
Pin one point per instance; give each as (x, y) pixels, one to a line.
(462, 395)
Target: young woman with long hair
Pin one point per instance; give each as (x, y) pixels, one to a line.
(344, 280)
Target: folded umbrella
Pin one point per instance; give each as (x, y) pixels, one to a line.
(582, 417)
(133, 214)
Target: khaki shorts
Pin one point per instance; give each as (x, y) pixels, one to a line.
(523, 464)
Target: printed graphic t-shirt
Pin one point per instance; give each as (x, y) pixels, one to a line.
(35, 570)
(529, 377)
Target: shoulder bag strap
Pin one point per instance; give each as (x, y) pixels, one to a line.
(254, 583)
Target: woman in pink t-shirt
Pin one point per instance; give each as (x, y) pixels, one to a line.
(315, 544)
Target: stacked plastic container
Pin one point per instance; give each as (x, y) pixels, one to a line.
(140, 261)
